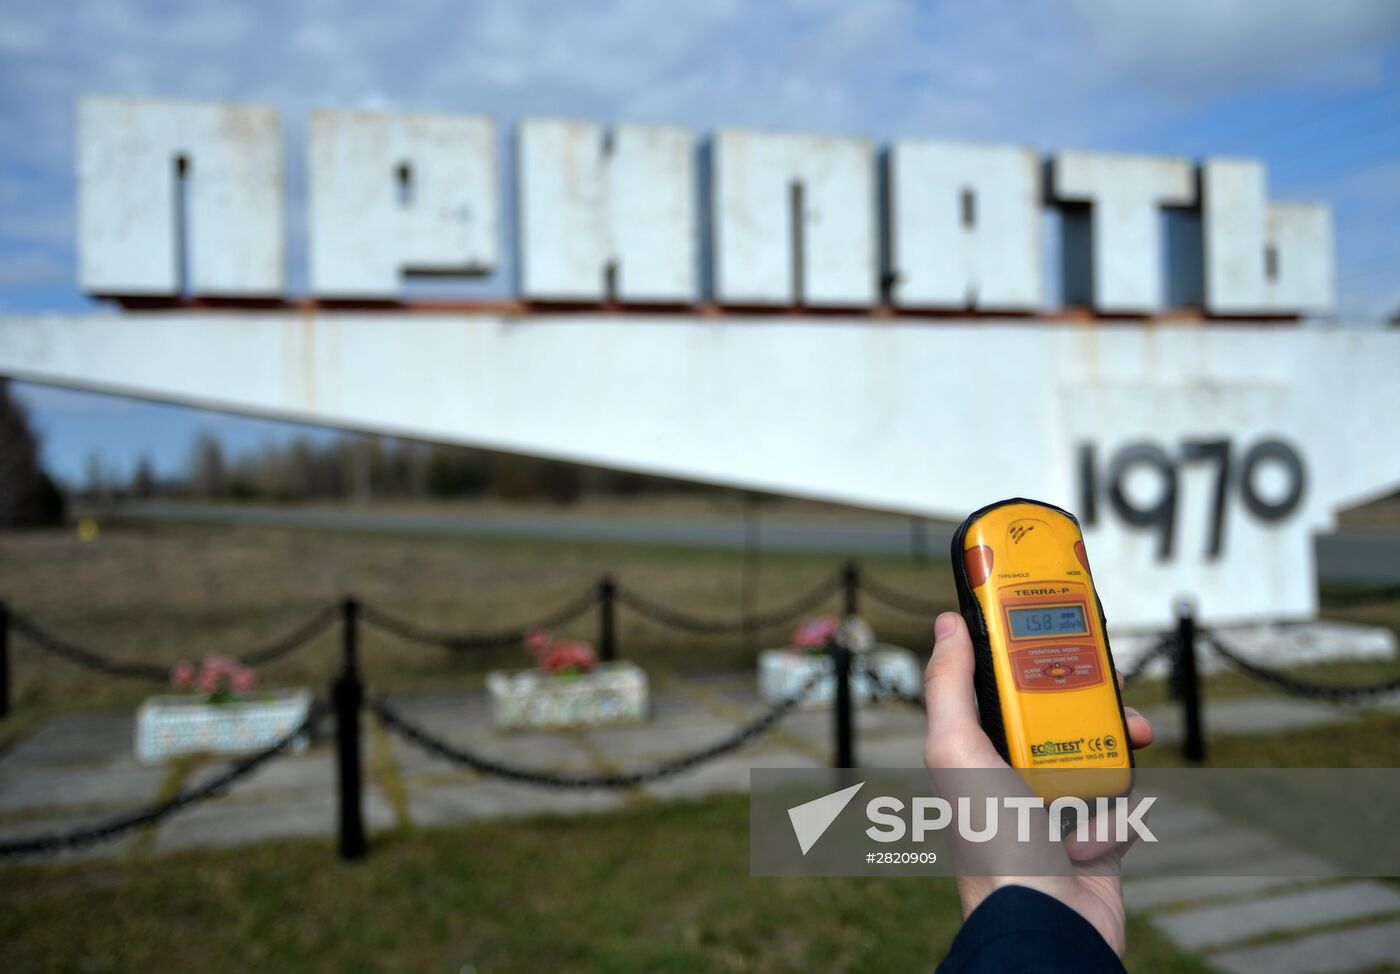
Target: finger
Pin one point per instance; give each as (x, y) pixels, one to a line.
(1109, 835)
(1121, 682)
(1140, 733)
(948, 692)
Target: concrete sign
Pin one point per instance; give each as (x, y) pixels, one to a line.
(1202, 458)
(632, 215)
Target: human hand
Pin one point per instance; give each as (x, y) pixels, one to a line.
(1091, 885)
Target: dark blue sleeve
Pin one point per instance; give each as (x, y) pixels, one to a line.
(1018, 930)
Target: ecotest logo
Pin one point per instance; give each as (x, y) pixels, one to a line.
(1118, 819)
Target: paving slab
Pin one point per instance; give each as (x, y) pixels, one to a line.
(552, 751)
(1208, 853)
(1227, 923)
(76, 739)
(729, 773)
(1249, 715)
(1334, 952)
(221, 822)
(122, 783)
(891, 751)
(311, 771)
(657, 740)
(1180, 820)
(491, 798)
(1166, 891)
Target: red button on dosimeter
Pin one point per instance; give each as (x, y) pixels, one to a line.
(979, 564)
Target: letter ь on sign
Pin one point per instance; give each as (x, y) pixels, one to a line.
(179, 197)
(396, 194)
(607, 216)
(794, 220)
(964, 226)
(1262, 257)
(1124, 194)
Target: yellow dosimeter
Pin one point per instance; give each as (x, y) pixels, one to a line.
(1046, 688)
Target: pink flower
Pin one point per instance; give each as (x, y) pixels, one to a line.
(537, 642)
(241, 679)
(182, 675)
(815, 633)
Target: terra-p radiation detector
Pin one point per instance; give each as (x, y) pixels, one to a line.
(1046, 688)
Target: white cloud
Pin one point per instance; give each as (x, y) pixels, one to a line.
(1195, 49)
(1062, 73)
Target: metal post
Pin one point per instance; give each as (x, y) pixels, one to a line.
(1188, 683)
(850, 583)
(842, 718)
(348, 695)
(607, 619)
(4, 660)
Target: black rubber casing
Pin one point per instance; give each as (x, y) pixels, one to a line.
(984, 678)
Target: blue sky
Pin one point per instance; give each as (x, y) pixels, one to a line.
(1313, 88)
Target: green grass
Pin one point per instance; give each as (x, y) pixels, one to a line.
(659, 887)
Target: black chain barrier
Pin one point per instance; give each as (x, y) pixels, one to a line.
(1341, 693)
(93, 660)
(680, 619)
(111, 828)
(480, 640)
(392, 720)
(1165, 646)
(895, 599)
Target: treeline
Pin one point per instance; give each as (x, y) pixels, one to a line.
(368, 467)
(28, 496)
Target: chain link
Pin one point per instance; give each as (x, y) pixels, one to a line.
(480, 640)
(392, 720)
(293, 640)
(93, 660)
(111, 828)
(82, 656)
(895, 599)
(1343, 693)
(679, 619)
(1165, 646)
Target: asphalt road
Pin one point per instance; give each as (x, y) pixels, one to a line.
(1353, 556)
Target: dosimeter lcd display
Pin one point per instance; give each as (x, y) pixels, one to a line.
(1047, 620)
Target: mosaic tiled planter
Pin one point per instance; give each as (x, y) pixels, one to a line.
(171, 726)
(613, 693)
(782, 673)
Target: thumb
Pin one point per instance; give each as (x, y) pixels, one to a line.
(948, 692)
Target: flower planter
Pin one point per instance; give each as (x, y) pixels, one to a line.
(782, 673)
(170, 726)
(612, 693)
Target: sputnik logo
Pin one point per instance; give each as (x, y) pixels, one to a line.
(810, 820)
